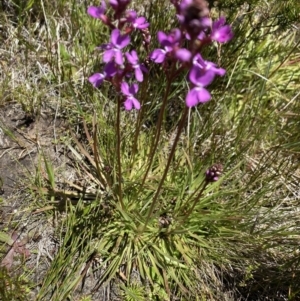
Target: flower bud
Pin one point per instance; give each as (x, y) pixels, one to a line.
(194, 15)
(214, 172)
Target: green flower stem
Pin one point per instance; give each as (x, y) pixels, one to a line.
(140, 118)
(155, 198)
(159, 123)
(118, 125)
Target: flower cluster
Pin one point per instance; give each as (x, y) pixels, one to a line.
(196, 30)
(197, 27)
(120, 65)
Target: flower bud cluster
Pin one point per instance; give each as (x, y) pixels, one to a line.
(214, 172)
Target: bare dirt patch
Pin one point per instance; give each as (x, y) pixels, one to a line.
(24, 140)
(23, 137)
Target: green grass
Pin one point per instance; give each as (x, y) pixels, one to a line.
(138, 237)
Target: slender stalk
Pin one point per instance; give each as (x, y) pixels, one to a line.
(285, 59)
(159, 123)
(155, 198)
(118, 125)
(139, 120)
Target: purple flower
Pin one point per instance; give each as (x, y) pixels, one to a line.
(158, 55)
(138, 68)
(200, 63)
(140, 23)
(113, 49)
(129, 92)
(201, 75)
(200, 78)
(97, 79)
(131, 15)
(137, 22)
(220, 32)
(97, 11)
(169, 42)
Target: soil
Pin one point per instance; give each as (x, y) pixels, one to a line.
(24, 139)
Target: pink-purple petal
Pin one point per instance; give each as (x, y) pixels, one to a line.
(158, 56)
(131, 16)
(183, 55)
(141, 23)
(113, 3)
(206, 22)
(162, 37)
(114, 36)
(96, 79)
(129, 57)
(110, 69)
(123, 41)
(203, 95)
(180, 18)
(95, 11)
(131, 102)
(175, 35)
(133, 89)
(198, 60)
(119, 57)
(200, 77)
(136, 103)
(191, 98)
(108, 55)
(125, 89)
(213, 67)
(138, 74)
(218, 23)
(184, 4)
(197, 95)
(132, 57)
(128, 104)
(220, 32)
(140, 20)
(143, 26)
(222, 35)
(201, 36)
